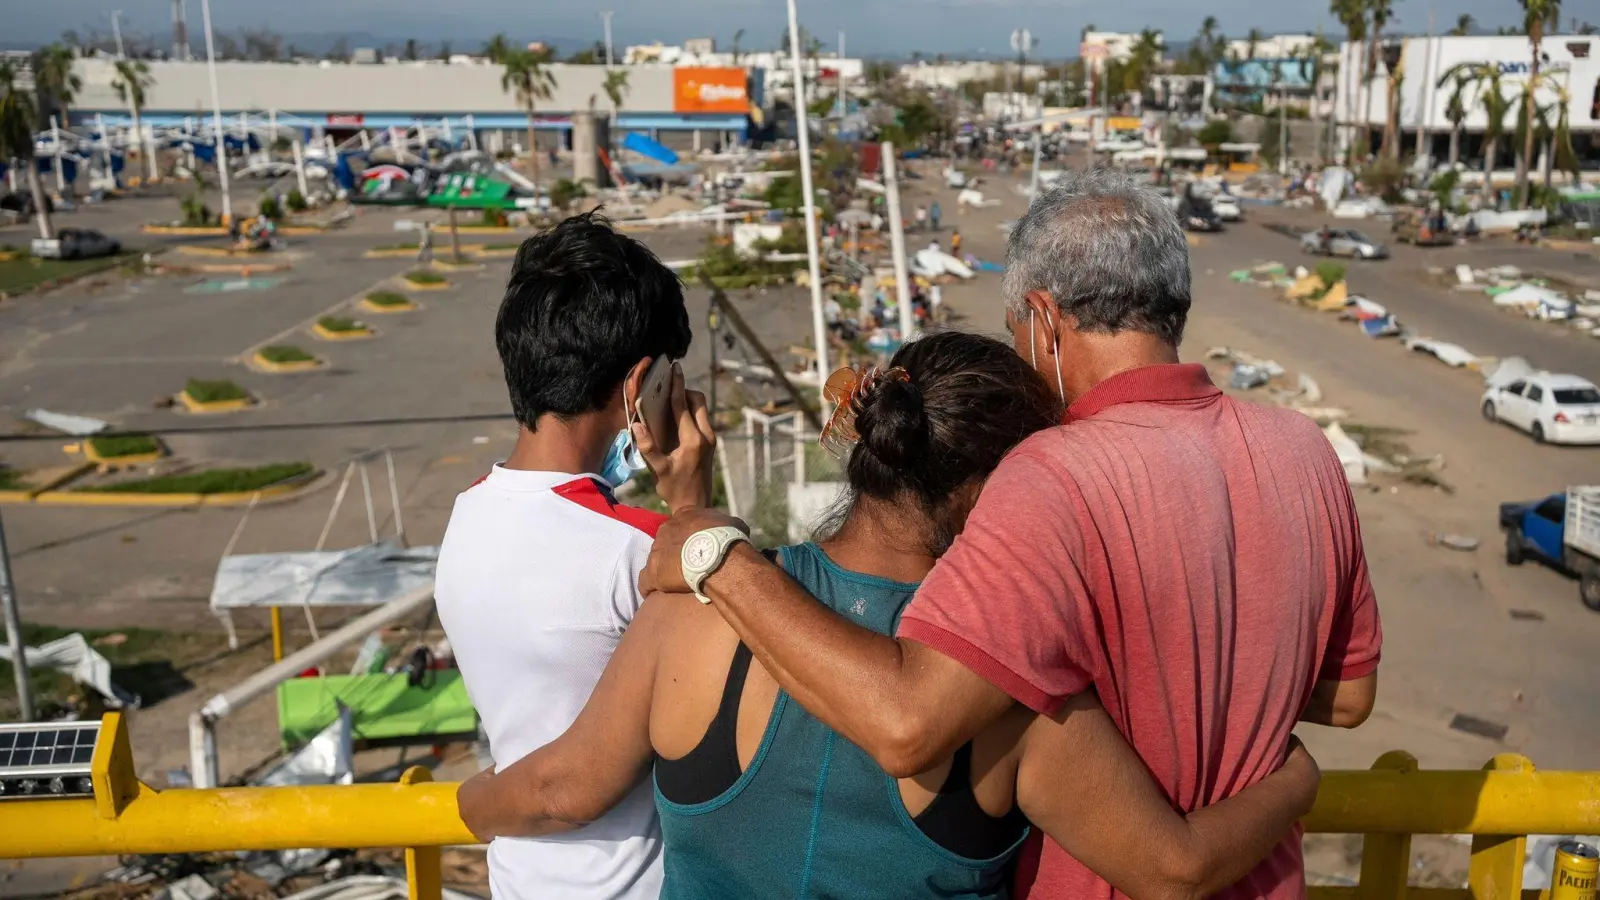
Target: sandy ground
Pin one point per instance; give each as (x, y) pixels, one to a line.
(429, 388)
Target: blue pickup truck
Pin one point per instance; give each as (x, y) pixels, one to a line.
(1561, 530)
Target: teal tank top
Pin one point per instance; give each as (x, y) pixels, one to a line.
(813, 816)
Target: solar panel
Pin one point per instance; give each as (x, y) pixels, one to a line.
(46, 759)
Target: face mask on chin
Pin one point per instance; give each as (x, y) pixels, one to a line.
(623, 460)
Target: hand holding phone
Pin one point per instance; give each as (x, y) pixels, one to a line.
(683, 469)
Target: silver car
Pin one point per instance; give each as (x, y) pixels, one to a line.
(1342, 242)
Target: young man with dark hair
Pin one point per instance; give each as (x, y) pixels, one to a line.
(538, 571)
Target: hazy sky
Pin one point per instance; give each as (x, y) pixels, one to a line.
(879, 26)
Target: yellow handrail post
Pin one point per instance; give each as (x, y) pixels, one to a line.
(1386, 858)
(277, 634)
(423, 878)
(1495, 872)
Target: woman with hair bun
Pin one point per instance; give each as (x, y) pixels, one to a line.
(757, 798)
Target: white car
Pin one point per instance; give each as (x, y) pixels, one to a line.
(1226, 206)
(1560, 409)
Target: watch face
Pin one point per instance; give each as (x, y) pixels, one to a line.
(700, 551)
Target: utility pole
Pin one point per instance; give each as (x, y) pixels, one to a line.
(19, 652)
(839, 79)
(216, 112)
(116, 32)
(897, 242)
(1425, 106)
(809, 210)
(180, 32)
(606, 17)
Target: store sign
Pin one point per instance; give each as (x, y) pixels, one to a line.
(707, 90)
(352, 120)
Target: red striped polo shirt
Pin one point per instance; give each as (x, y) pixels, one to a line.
(1194, 558)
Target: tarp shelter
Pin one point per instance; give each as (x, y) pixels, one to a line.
(369, 575)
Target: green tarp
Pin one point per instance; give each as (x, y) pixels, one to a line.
(382, 706)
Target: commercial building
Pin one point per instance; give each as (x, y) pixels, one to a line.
(772, 67)
(1115, 46)
(703, 102)
(952, 75)
(1277, 46)
(1570, 76)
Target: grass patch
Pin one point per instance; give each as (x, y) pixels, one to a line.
(397, 247)
(11, 480)
(284, 353)
(388, 298)
(112, 446)
(1331, 273)
(220, 391)
(423, 276)
(341, 324)
(212, 481)
(24, 273)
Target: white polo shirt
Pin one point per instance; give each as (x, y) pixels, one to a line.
(537, 578)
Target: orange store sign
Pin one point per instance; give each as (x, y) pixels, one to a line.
(706, 90)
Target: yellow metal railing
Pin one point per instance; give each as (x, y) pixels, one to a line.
(1498, 805)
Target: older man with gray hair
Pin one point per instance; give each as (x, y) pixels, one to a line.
(1192, 558)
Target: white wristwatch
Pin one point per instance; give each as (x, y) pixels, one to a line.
(704, 552)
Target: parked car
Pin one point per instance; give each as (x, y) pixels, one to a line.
(1560, 409)
(76, 243)
(1342, 242)
(1227, 208)
(1562, 530)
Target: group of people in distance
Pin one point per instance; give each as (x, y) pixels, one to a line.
(1053, 643)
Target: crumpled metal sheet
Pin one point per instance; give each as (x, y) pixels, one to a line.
(73, 656)
(369, 575)
(328, 758)
(77, 426)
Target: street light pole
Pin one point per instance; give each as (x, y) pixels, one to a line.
(19, 651)
(116, 32)
(606, 17)
(216, 112)
(818, 326)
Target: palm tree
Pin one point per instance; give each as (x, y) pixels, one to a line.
(737, 37)
(17, 118)
(1464, 25)
(1536, 14)
(1208, 41)
(1455, 108)
(616, 87)
(1495, 106)
(498, 48)
(133, 79)
(1251, 39)
(1352, 14)
(1142, 62)
(526, 75)
(1391, 121)
(1310, 61)
(54, 81)
(1561, 152)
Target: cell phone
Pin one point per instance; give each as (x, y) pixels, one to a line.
(654, 406)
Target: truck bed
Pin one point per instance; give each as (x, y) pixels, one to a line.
(1582, 531)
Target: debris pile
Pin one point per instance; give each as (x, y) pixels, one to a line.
(1509, 288)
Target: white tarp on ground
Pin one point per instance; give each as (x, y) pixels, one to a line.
(931, 263)
(1349, 453)
(369, 575)
(73, 656)
(1447, 353)
(77, 426)
(1538, 301)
